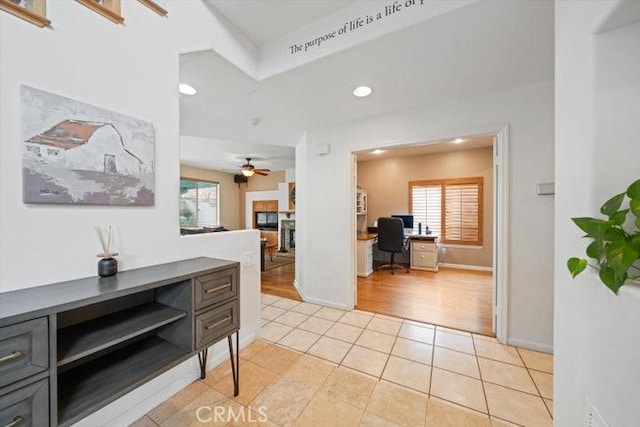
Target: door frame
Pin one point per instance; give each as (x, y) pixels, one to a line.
(501, 219)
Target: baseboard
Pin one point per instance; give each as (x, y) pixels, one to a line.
(311, 300)
(327, 303)
(140, 401)
(302, 295)
(466, 267)
(544, 348)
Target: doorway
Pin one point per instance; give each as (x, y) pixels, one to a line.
(480, 304)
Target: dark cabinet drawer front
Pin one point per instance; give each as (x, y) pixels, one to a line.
(217, 323)
(216, 287)
(26, 407)
(24, 350)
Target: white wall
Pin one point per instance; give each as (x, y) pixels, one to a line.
(597, 349)
(325, 233)
(290, 175)
(131, 69)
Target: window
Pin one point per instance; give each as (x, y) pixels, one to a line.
(199, 207)
(451, 208)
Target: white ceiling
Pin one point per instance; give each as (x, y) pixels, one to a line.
(484, 47)
(469, 143)
(264, 20)
(229, 156)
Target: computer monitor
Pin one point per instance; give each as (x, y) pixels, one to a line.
(407, 220)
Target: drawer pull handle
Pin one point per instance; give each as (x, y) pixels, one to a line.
(216, 289)
(218, 323)
(16, 422)
(13, 356)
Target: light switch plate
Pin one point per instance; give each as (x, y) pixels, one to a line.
(546, 189)
(594, 419)
(249, 259)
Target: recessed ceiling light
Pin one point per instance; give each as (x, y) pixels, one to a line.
(378, 151)
(187, 89)
(458, 140)
(362, 91)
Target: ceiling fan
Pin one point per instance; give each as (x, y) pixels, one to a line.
(248, 169)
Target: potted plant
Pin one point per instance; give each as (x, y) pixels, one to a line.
(615, 241)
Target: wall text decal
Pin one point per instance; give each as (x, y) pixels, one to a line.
(355, 23)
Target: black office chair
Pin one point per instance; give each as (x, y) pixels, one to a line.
(391, 239)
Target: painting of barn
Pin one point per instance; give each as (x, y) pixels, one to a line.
(76, 153)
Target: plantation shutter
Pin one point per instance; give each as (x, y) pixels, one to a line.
(463, 211)
(451, 208)
(426, 206)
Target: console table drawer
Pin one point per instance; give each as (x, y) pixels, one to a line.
(217, 323)
(24, 350)
(216, 287)
(26, 406)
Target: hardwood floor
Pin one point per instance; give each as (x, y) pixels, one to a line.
(458, 299)
(279, 281)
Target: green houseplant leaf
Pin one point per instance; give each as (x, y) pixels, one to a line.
(633, 192)
(610, 279)
(576, 265)
(613, 234)
(621, 255)
(595, 250)
(595, 228)
(612, 205)
(635, 241)
(615, 242)
(619, 217)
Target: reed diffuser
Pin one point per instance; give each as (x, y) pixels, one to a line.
(107, 266)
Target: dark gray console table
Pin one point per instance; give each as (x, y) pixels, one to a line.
(70, 348)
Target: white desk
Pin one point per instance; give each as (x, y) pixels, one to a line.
(364, 266)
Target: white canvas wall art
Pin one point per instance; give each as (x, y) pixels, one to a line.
(76, 153)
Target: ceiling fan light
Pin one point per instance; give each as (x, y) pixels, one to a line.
(247, 172)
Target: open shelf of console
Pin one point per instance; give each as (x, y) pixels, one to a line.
(85, 339)
(90, 386)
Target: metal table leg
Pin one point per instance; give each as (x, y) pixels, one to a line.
(202, 358)
(235, 364)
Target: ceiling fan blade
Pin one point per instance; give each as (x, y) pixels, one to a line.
(263, 172)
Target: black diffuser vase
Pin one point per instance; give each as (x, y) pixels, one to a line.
(107, 267)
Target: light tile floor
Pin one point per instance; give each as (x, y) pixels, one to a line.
(319, 366)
